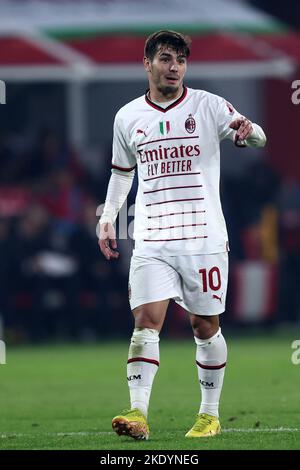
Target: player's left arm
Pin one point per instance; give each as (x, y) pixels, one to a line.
(233, 125)
(248, 134)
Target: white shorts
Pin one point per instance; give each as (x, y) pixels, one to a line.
(198, 283)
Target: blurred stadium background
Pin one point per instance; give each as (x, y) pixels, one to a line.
(68, 67)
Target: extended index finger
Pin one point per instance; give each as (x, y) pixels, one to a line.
(245, 129)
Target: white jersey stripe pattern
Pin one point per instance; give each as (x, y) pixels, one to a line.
(186, 210)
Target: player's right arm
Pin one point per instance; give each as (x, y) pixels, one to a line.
(123, 169)
(118, 189)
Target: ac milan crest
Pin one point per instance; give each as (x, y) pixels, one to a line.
(190, 124)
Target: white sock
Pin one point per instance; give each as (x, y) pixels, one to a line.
(211, 359)
(142, 365)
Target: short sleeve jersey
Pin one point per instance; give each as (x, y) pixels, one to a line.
(177, 154)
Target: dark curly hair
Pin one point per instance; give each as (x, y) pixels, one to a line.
(177, 41)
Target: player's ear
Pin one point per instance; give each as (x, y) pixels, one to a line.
(147, 64)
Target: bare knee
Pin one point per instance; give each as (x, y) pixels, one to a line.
(204, 327)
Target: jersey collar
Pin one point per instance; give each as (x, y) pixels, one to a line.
(164, 110)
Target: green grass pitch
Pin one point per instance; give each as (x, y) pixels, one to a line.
(64, 396)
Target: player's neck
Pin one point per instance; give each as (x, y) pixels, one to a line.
(158, 97)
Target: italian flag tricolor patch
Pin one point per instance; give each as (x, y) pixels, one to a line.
(164, 127)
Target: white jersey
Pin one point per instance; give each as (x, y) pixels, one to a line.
(177, 153)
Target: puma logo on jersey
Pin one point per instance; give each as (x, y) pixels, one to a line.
(140, 131)
(230, 108)
(217, 297)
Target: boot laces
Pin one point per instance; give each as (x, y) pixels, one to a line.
(203, 420)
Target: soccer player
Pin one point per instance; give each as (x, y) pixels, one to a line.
(172, 135)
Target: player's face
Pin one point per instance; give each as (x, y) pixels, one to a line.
(166, 71)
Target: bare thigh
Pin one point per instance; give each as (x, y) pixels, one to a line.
(151, 315)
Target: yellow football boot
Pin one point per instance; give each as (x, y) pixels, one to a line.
(205, 426)
(131, 423)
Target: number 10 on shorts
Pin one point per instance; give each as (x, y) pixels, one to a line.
(212, 278)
